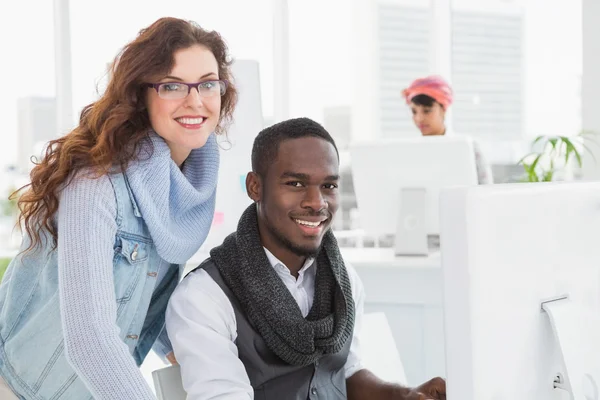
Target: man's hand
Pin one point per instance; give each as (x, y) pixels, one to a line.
(171, 358)
(434, 389)
(363, 385)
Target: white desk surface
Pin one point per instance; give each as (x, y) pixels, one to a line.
(385, 257)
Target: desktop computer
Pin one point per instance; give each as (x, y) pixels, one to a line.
(521, 277)
(397, 184)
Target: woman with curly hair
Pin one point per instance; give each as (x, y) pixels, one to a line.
(114, 210)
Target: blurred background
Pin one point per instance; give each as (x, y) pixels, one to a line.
(516, 67)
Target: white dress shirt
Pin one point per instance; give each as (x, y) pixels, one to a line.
(202, 327)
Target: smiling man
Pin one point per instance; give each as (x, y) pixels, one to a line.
(274, 313)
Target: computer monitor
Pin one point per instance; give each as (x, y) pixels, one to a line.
(521, 272)
(397, 184)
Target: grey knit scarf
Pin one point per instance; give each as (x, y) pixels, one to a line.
(269, 305)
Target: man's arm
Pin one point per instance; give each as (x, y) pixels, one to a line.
(201, 326)
(364, 385)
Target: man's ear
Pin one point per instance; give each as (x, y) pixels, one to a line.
(253, 186)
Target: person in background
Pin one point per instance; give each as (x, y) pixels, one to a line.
(429, 99)
(114, 210)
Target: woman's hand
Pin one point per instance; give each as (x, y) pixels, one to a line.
(171, 358)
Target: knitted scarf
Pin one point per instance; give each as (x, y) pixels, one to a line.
(269, 305)
(177, 204)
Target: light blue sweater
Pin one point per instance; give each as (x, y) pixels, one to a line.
(177, 207)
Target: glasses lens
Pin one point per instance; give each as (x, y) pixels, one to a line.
(222, 87)
(172, 91)
(211, 88)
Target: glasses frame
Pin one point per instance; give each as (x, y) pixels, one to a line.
(222, 82)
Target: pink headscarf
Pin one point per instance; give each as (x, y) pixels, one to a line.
(432, 86)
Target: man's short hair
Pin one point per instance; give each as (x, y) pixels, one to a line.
(266, 144)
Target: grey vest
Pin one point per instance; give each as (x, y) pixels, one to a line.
(270, 377)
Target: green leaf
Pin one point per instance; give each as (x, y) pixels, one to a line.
(571, 149)
(522, 160)
(577, 154)
(537, 139)
(536, 161)
(530, 175)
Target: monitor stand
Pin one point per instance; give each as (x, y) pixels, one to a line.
(411, 228)
(567, 326)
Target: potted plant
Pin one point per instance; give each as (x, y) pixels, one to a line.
(554, 157)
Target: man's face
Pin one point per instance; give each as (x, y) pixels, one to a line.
(298, 197)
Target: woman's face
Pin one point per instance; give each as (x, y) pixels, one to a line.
(186, 123)
(429, 120)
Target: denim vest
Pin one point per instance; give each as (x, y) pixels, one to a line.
(32, 354)
(272, 378)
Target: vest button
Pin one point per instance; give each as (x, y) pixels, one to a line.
(152, 274)
(132, 337)
(134, 255)
(313, 391)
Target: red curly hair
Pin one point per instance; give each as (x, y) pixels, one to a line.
(111, 129)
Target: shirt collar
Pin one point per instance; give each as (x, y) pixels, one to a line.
(275, 262)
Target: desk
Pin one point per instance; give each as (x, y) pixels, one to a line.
(409, 291)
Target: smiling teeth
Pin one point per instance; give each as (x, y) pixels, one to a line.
(308, 223)
(191, 121)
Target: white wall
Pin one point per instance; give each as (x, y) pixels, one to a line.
(232, 199)
(553, 52)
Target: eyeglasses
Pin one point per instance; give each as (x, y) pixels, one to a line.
(180, 90)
